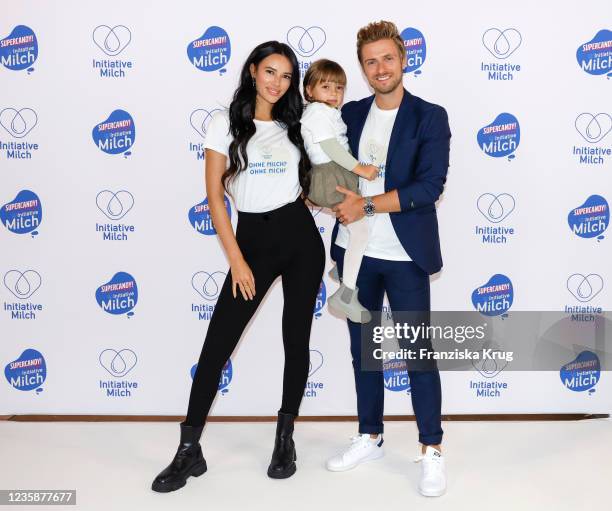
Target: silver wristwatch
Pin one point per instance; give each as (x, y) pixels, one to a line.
(369, 208)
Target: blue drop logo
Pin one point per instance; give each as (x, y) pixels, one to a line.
(582, 373)
(590, 219)
(119, 295)
(211, 51)
(494, 297)
(19, 50)
(501, 137)
(595, 56)
(395, 374)
(23, 214)
(116, 134)
(200, 219)
(27, 372)
(416, 49)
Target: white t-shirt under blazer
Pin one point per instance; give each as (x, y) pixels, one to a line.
(373, 146)
(271, 179)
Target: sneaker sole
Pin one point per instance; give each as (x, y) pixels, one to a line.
(377, 456)
(432, 493)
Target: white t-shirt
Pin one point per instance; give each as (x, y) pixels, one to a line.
(322, 122)
(383, 242)
(271, 179)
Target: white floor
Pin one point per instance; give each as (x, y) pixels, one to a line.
(490, 465)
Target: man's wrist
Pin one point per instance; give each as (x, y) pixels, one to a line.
(368, 206)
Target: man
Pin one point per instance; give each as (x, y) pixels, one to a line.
(409, 139)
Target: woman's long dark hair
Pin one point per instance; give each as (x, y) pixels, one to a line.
(287, 110)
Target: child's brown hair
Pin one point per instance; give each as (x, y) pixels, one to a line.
(323, 70)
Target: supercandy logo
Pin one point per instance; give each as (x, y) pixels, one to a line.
(116, 134)
(591, 219)
(200, 219)
(416, 50)
(227, 374)
(395, 376)
(199, 121)
(119, 295)
(501, 137)
(28, 371)
(494, 297)
(501, 43)
(582, 373)
(595, 56)
(23, 214)
(211, 51)
(18, 123)
(112, 41)
(593, 128)
(320, 301)
(19, 50)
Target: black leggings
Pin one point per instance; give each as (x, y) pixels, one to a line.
(285, 242)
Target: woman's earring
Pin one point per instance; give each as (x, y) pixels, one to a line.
(253, 78)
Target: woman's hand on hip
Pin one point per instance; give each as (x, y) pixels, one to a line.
(242, 277)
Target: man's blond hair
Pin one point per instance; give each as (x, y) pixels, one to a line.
(378, 30)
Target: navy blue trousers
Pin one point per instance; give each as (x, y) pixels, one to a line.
(407, 288)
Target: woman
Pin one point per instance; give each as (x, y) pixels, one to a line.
(256, 153)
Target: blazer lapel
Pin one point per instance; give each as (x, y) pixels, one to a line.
(404, 125)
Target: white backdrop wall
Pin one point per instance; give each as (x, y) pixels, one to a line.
(51, 272)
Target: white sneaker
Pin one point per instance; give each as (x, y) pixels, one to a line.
(433, 473)
(362, 448)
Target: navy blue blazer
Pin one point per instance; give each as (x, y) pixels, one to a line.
(417, 163)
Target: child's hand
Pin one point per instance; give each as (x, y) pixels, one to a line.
(369, 172)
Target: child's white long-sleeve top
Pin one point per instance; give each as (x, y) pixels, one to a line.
(324, 134)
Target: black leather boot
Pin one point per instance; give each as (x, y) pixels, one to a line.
(284, 456)
(188, 461)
